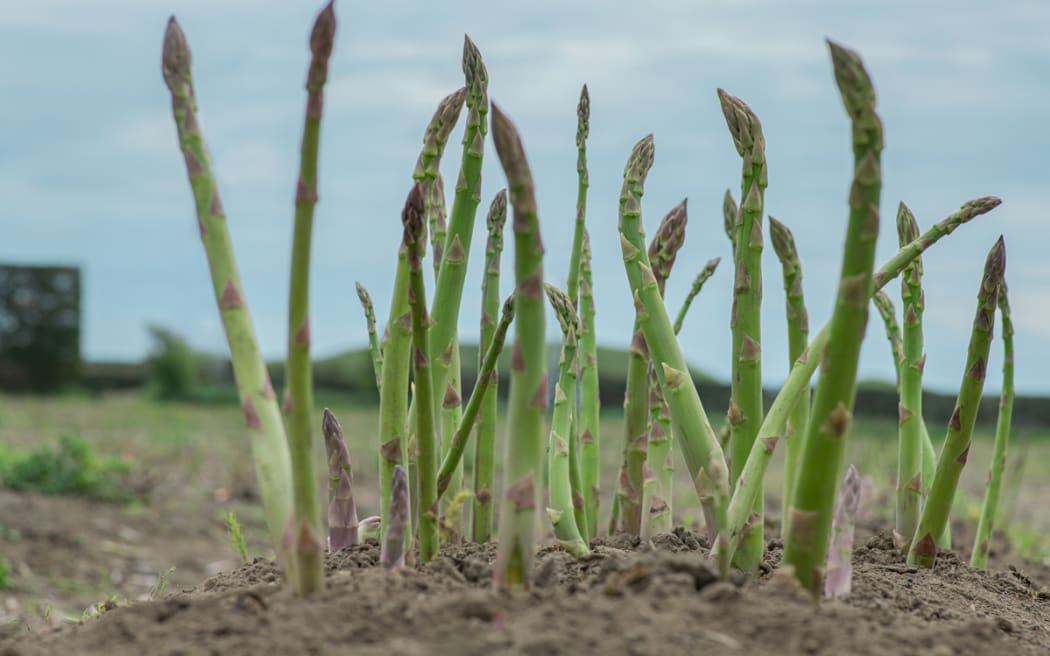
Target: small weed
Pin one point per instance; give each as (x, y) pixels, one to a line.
(3, 574)
(74, 468)
(162, 584)
(236, 537)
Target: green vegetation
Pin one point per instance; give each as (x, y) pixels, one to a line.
(240, 547)
(72, 467)
(172, 366)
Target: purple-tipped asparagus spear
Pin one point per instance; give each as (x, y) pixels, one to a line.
(392, 555)
(342, 511)
(839, 576)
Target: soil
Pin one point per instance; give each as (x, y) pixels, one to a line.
(629, 597)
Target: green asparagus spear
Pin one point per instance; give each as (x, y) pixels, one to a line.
(562, 510)
(528, 378)
(485, 447)
(373, 340)
(813, 499)
(392, 553)
(798, 337)
(257, 398)
(636, 435)
(729, 214)
(956, 447)
(745, 405)
(979, 559)
(698, 284)
(590, 403)
(893, 329)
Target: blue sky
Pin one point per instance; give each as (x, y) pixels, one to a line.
(90, 173)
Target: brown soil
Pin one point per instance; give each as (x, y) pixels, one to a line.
(632, 598)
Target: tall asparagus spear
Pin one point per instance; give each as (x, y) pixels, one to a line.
(483, 390)
(392, 553)
(485, 447)
(773, 425)
(257, 398)
(448, 290)
(798, 337)
(657, 494)
(342, 511)
(528, 377)
(562, 511)
(979, 559)
(298, 394)
(745, 405)
(699, 443)
(956, 447)
(436, 215)
(694, 290)
(811, 503)
(888, 313)
(373, 341)
(590, 402)
(636, 435)
(729, 215)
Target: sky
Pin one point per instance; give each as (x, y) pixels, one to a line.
(91, 175)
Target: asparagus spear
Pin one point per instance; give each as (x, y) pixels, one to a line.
(798, 337)
(342, 511)
(590, 402)
(635, 444)
(487, 380)
(699, 443)
(910, 482)
(254, 389)
(436, 212)
(562, 510)
(773, 425)
(839, 579)
(656, 491)
(811, 503)
(979, 559)
(528, 377)
(392, 553)
(373, 340)
(893, 329)
(960, 428)
(745, 405)
(485, 447)
(729, 214)
(698, 284)
(414, 241)
(448, 290)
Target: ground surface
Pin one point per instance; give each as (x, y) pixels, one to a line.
(66, 554)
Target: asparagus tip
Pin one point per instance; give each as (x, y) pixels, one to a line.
(330, 425)
(783, 240)
(907, 226)
(175, 57)
(858, 93)
(412, 216)
(323, 35)
(497, 212)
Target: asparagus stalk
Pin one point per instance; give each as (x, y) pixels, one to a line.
(487, 381)
(658, 486)
(888, 313)
(979, 559)
(436, 212)
(636, 435)
(798, 337)
(956, 448)
(485, 447)
(373, 340)
(562, 510)
(839, 578)
(342, 511)
(773, 425)
(528, 378)
(811, 503)
(448, 290)
(254, 389)
(590, 402)
(745, 405)
(699, 443)
(694, 290)
(414, 241)
(729, 214)
(392, 552)
(910, 482)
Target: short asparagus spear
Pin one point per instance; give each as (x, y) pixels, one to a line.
(979, 559)
(414, 241)
(257, 398)
(485, 447)
(699, 443)
(590, 403)
(811, 503)
(839, 579)
(562, 510)
(392, 553)
(956, 447)
(528, 377)
(798, 337)
(373, 340)
(483, 390)
(745, 405)
(694, 290)
(342, 511)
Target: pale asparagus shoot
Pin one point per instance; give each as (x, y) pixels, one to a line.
(343, 526)
(392, 552)
(839, 578)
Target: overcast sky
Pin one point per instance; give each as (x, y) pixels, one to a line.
(90, 172)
